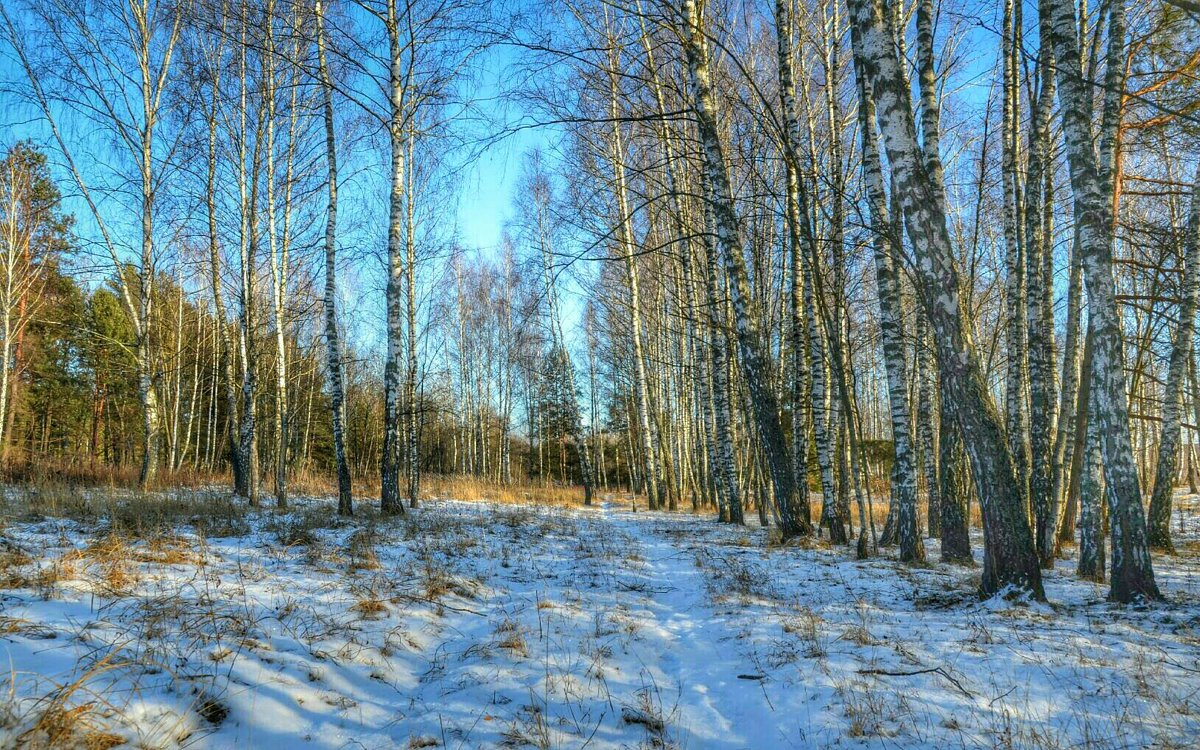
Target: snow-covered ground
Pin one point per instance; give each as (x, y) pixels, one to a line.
(470, 625)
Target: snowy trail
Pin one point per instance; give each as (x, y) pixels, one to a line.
(687, 653)
(667, 658)
(485, 626)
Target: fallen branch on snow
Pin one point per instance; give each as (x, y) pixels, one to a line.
(912, 673)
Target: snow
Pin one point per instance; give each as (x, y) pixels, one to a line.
(471, 625)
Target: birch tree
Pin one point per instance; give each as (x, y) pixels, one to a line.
(333, 361)
(100, 54)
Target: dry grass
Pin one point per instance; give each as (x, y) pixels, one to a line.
(67, 473)
(479, 490)
(19, 626)
(866, 709)
(510, 637)
(649, 713)
(108, 558)
(360, 549)
(12, 561)
(144, 515)
(878, 509)
(370, 607)
(60, 727)
(58, 721)
(529, 728)
(807, 626)
(169, 549)
(452, 486)
(307, 482)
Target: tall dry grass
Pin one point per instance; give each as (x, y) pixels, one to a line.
(57, 490)
(447, 487)
(83, 473)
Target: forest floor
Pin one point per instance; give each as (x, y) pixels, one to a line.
(192, 622)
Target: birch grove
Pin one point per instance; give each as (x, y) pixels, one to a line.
(912, 279)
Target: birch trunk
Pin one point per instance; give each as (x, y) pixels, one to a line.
(1039, 313)
(629, 254)
(248, 249)
(1068, 405)
(150, 39)
(14, 248)
(725, 467)
(1091, 491)
(891, 324)
(1016, 380)
(412, 409)
(955, 490)
(333, 351)
(925, 432)
(389, 465)
(277, 266)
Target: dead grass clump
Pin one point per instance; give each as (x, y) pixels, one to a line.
(52, 722)
(530, 729)
(865, 708)
(806, 626)
(516, 519)
(360, 548)
(41, 470)
(322, 556)
(744, 578)
(11, 578)
(296, 531)
(110, 556)
(370, 607)
(168, 549)
(12, 560)
(859, 635)
(648, 713)
(775, 540)
(117, 579)
(106, 548)
(18, 626)
(49, 576)
(309, 482)
(135, 514)
(146, 515)
(510, 637)
(436, 582)
(76, 727)
(734, 575)
(45, 499)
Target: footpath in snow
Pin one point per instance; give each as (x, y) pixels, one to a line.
(470, 625)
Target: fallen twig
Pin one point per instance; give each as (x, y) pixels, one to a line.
(912, 673)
